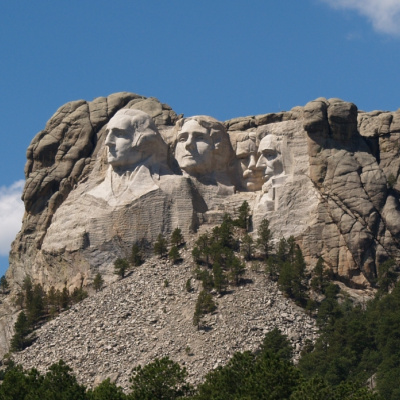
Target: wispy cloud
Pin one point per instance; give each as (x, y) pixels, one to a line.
(11, 213)
(383, 14)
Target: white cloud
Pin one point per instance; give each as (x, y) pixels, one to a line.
(11, 213)
(384, 14)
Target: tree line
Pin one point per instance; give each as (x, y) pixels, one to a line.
(267, 373)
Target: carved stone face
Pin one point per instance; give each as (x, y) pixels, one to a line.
(194, 148)
(269, 158)
(122, 151)
(246, 152)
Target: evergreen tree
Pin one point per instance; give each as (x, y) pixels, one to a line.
(243, 220)
(60, 384)
(188, 285)
(98, 282)
(78, 295)
(65, 298)
(161, 379)
(318, 280)
(35, 308)
(3, 284)
(247, 247)
(160, 246)
(177, 237)
(21, 330)
(27, 287)
(220, 280)
(52, 302)
(136, 255)
(106, 391)
(121, 265)
(236, 268)
(204, 305)
(174, 255)
(264, 238)
(387, 275)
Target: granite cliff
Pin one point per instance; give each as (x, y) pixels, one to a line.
(326, 173)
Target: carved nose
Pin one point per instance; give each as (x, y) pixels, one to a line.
(109, 140)
(189, 143)
(252, 162)
(260, 163)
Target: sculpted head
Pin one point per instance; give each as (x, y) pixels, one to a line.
(269, 157)
(246, 152)
(132, 138)
(202, 145)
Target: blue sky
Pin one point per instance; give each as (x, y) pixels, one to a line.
(221, 58)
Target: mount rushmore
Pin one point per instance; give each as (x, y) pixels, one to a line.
(107, 173)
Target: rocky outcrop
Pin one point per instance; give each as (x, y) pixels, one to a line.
(137, 319)
(325, 173)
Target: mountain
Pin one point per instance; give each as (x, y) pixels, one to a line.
(325, 173)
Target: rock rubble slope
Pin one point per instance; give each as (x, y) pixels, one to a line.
(137, 319)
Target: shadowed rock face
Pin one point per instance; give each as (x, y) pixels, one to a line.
(325, 173)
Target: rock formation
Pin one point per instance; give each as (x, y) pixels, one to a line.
(325, 173)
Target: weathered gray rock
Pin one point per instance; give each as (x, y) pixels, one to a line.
(137, 319)
(333, 185)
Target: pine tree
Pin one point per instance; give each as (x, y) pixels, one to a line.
(98, 282)
(204, 305)
(136, 255)
(121, 265)
(243, 220)
(160, 246)
(236, 268)
(247, 247)
(174, 255)
(177, 237)
(21, 330)
(220, 280)
(35, 308)
(264, 238)
(3, 284)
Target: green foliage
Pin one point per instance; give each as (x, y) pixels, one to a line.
(247, 247)
(78, 295)
(21, 330)
(235, 267)
(161, 379)
(264, 238)
(387, 276)
(35, 304)
(177, 237)
(292, 275)
(160, 246)
(188, 285)
(60, 384)
(174, 255)
(250, 376)
(106, 391)
(98, 282)
(356, 343)
(204, 305)
(319, 277)
(3, 284)
(220, 279)
(121, 265)
(136, 255)
(243, 220)
(276, 343)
